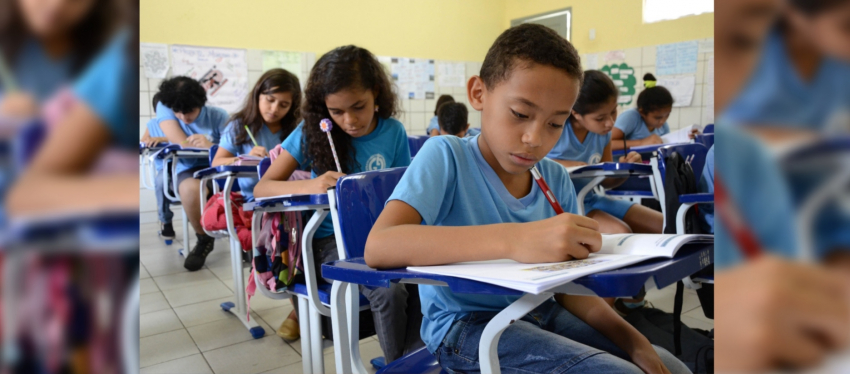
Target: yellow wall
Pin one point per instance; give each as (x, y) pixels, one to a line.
(440, 29)
(618, 23)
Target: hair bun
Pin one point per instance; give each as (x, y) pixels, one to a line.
(649, 80)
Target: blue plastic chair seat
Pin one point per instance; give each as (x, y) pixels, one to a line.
(419, 361)
(324, 293)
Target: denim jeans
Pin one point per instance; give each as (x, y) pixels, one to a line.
(548, 340)
(163, 205)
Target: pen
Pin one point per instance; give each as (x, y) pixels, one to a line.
(546, 191)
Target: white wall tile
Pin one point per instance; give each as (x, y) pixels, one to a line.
(255, 60)
(418, 123)
(144, 104)
(698, 91)
(143, 125)
(634, 56)
(648, 56)
(458, 92)
(700, 72)
(430, 105)
(689, 116)
(474, 118)
(417, 105)
(673, 120)
(253, 77)
(153, 84)
(406, 105)
(143, 82)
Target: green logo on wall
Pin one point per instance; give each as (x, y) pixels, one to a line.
(624, 78)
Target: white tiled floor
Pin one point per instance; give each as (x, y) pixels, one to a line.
(184, 330)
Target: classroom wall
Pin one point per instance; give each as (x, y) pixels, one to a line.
(618, 23)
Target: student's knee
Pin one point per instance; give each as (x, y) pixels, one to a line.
(609, 224)
(392, 298)
(189, 189)
(672, 363)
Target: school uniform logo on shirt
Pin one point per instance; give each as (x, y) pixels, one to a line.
(594, 159)
(376, 162)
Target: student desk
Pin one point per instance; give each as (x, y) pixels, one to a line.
(78, 234)
(624, 282)
(231, 173)
(605, 170)
(172, 153)
(310, 308)
(148, 170)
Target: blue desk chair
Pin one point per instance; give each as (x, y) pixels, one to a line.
(705, 139)
(415, 142)
(224, 178)
(360, 199)
(313, 299)
(709, 129)
(170, 154)
(148, 164)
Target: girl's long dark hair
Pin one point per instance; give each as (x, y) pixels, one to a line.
(88, 36)
(597, 89)
(340, 69)
(271, 82)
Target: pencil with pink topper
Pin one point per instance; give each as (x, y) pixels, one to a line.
(326, 126)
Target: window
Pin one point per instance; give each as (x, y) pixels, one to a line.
(665, 10)
(558, 20)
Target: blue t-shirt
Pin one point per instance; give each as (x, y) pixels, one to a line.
(450, 184)
(211, 122)
(433, 125)
(632, 125)
(105, 87)
(265, 138)
(473, 131)
(706, 185)
(756, 186)
(37, 73)
(155, 132)
(570, 148)
(386, 147)
(776, 95)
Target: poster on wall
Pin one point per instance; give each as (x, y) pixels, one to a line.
(451, 74)
(618, 55)
(623, 76)
(414, 77)
(289, 61)
(708, 95)
(155, 59)
(591, 61)
(681, 87)
(222, 72)
(677, 58)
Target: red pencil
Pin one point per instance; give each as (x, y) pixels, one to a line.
(546, 191)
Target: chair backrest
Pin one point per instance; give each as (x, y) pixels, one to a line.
(213, 150)
(415, 142)
(694, 152)
(263, 166)
(360, 200)
(709, 129)
(705, 139)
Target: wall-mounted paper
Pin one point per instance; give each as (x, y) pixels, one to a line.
(624, 78)
(706, 46)
(618, 55)
(591, 62)
(223, 73)
(414, 77)
(451, 74)
(708, 94)
(289, 61)
(681, 87)
(155, 59)
(676, 58)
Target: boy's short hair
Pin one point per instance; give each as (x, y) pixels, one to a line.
(453, 117)
(528, 43)
(182, 94)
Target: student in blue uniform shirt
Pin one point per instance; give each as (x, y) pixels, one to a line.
(706, 185)
(587, 140)
(348, 86)
(153, 136)
(473, 199)
(646, 124)
(184, 117)
(434, 125)
(454, 120)
(271, 113)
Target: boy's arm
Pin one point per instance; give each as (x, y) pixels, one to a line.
(569, 163)
(398, 239)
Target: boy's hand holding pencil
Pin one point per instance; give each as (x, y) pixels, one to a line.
(631, 158)
(197, 141)
(560, 238)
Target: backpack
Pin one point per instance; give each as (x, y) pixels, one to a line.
(679, 179)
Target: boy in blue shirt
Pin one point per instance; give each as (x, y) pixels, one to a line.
(153, 136)
(529, 81)
(185, 119)
(454, 120)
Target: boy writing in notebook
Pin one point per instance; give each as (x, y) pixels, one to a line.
(472, 199)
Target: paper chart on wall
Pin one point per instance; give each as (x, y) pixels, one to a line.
(708, 94)
(681, 87)
(676, 58)
(289, 61)
(451, 74)
(222, 72)
(414, 77)
(155, 59)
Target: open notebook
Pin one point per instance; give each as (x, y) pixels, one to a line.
(680, 135)
(617, 251)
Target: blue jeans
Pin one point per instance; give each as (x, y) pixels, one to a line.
(163, 205)
(548, 340)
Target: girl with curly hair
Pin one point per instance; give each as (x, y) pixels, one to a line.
(350, 87)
